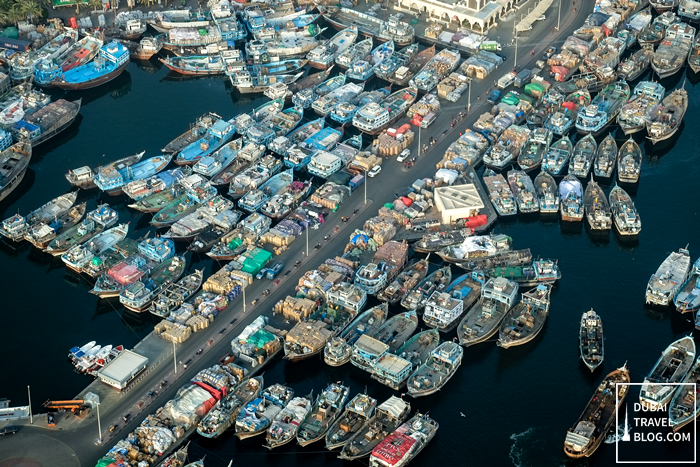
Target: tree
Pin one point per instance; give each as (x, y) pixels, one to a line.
(3, 16)
(15, 15)
(30, 9)
(95, 4)
(147, 2)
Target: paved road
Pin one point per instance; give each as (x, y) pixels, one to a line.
(67, 442)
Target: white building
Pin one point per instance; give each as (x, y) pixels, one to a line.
(458, 202)
(123, 369)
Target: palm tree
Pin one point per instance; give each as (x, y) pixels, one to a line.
(3, 16)
(15, 15)
(30, 9)
(95, 4)
(147, 2)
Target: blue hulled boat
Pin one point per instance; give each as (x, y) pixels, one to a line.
(256, 199)
(215, 137)
(110, 62)
(112, 181)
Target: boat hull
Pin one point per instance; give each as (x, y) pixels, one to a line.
(190, 72)
(12, 185)
(93, 82)
(431, 391)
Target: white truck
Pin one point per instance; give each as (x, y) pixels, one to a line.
(506, 80)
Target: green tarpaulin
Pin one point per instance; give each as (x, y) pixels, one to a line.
(255, 260)
(260, 338)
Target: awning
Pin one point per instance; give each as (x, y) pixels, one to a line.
(538, 11)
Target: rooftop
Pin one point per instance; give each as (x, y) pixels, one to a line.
(370, 345)
(123, 366)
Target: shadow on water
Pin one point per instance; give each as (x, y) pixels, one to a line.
(21, 190)
(681, 323)
(147, 66)
(656, 151)
(571, 228)
(626, 242)
(118, 87)
(598, 237)
(60, 139)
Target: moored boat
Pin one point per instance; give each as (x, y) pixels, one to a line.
(388, 415)
(664, 119)
(402, 75)
(500, 194)
(624, 212)
(536, 146)
(605, 157)
(14, 227)
(327, 408)
(526, 319)
(635, 65)
(441, 65)
(688, 297)
(14, 162)
(654, 33)
(284, 427)
(683, 408)
(95, 222)
(339, 349)
(437, 370)
(323, 55)
(571, 193)
(629, 162)
(84, 177)
(667, 279)
(418, 296)
(547, 193)
(603, 109)
(43, 233)
(224, 413)
(111, 180)
(524, 191)
(412, 437)
(673, 50)
(444, 309)
(138, 295)
(597, 208)
(256, 416)
(557, 156)
(632, 116)
(80, 255)
(354, 418)
(391, 30)
(373, 118)
(110, 63)
(47, 122)
(498, 295)
(583, 157)
(671, 368)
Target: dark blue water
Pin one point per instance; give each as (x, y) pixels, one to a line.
(518, 403)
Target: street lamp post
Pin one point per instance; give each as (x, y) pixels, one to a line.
(307, 241)
(243, 297)
(469, 98)
(515, 65)
(559, 17)
(99, 426)
(175, 357)
(420, 148)
(365, 183)
(31, 417)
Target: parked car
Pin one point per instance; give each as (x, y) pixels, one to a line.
(404, 155)
(542, 18)
(375, 171)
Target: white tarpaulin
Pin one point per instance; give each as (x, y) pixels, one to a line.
(540, 8)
